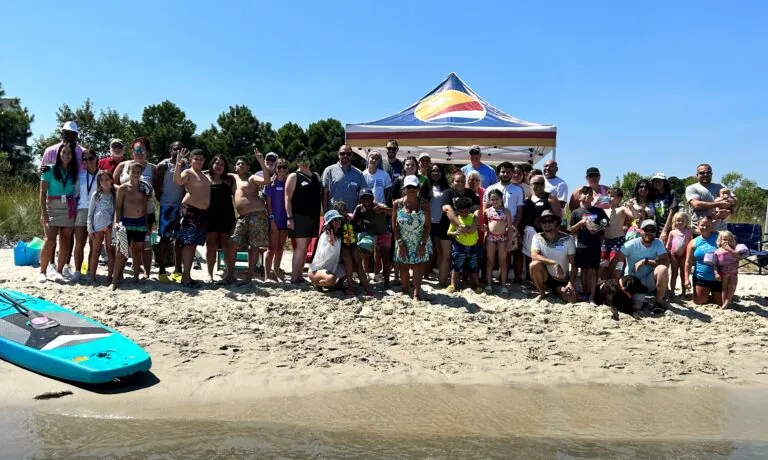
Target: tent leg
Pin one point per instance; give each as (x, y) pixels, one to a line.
(554, 154)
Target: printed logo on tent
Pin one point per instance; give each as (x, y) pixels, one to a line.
(457, 105)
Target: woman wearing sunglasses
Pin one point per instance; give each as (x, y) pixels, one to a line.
(86, 179)
(141, 149)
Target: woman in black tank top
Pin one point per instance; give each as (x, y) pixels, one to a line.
(303, 191)
(221, 211)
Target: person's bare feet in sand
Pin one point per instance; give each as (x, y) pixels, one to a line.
(725, 305)
(541, 297)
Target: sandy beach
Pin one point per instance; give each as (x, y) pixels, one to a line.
(228, 345)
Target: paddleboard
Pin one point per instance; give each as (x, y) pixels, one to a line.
(49, 339)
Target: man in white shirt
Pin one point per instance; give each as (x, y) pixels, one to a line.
(554, 184)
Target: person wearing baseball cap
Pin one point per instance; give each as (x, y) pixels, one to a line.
(600, 197)
(487, 173)
(116, 156)
(425, 162)
(271, 160)
(665, 203)
(647, 259)
(374, 218)
(69, 134)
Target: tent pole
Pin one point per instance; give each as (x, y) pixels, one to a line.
(554, 154)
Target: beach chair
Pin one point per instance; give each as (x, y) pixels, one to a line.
(241, 261)
(752, 236)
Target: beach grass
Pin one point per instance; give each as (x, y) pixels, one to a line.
(20, 212)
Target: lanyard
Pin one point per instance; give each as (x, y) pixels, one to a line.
(89, 183)
(66, 179)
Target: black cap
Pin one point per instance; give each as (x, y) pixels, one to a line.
(366, 191)
(593, 170)
(474, 148)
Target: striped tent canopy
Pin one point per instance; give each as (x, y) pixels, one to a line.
(450, 119)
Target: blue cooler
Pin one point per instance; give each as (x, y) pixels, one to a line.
(25, 256)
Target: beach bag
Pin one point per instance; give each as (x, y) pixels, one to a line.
(365, 241)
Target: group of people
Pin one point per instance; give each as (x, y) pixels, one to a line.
(405, 214)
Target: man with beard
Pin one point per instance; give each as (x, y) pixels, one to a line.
(647, 259)
(555, 185)
(342, 181)
(169, 195)
(704, 198)
(392, 165)
(116, 156)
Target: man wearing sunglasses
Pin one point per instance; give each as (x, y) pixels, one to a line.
(342, 181)
(169, 195)
(116, 156)
(392, 165)
(600, 197)
(704, 198)
(271, 160)
(553, 259)
(647, 259)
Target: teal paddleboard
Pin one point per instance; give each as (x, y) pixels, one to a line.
(52, 340)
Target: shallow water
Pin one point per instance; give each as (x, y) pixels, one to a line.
(421, 421)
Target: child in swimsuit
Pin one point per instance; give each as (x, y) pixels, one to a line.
(677, 242)
(727, 265)
(498, 240)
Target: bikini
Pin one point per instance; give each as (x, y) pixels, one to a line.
(495, 216)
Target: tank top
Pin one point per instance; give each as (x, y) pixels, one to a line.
(533, 207)
(146, 175)
(172, 193)
(701, 247)
(306, 195)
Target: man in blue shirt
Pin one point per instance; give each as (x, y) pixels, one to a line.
(342, 181)
(487, 173)
(647, 259)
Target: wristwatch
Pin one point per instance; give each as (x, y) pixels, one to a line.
(289, 218)
(271, 217)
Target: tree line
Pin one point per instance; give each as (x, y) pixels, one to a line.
(238, 131)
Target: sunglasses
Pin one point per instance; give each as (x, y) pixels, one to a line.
(704, 173)
(392, 149)
(537, 183)
(89, 158)
(139, 150)
(640, 187)
(282, 167)
(410, 187)
(593, 175)
(176, 149)
(271, 160)
(649, 230)
(345, 154)
(548, 221)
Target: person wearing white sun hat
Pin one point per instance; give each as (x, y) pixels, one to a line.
(69, 134)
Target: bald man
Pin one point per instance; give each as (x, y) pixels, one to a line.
(554, 184)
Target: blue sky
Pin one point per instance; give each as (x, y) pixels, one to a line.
(652, 86)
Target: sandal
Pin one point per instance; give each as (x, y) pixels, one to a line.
(504, 291)
(489, 289)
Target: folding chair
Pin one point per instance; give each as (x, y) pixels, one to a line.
(752, 236)
(241, 261)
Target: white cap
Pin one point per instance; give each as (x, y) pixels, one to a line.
(271, 155)
(411, 180)
(70, 126)
(424, 155)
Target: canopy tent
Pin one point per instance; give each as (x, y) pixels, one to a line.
(450, 119)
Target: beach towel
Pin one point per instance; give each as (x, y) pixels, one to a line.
(120, 240)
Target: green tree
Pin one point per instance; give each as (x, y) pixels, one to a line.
(164, 124)
(627, 183)
(324, 138)
(15, 122)
(237, 132)
(290, 140)
(751, 198)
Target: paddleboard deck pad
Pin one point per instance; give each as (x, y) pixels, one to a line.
(77, 348)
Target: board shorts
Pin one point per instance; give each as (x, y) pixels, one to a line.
(169, 218)
(305, 226)
(611, 247)
(252, 230)
(553, 283)
(588, 257)
(135, 228)
(465, 259)
(81, 220)
(192, 224)
(713, 286)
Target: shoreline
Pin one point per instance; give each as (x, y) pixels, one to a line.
(243, 345)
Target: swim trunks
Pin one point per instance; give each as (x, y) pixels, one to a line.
(135, 228)
(192, 224)
(252, 230)
(169, 217)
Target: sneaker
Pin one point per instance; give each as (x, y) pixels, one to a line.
(478, 290)
(51, 270)
(450, 289)
(175, 277)
(489, 289)
(67, 272)
(504, 291)
(89, 279)
(163, 278)
(41, 278)
(75, 277)
(56, 277)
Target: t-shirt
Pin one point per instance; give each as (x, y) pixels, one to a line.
(66, 186)
(49, 156)
(635, 251)
(449, 198)
(600, 198)
(109, 164)
(436, 203)
(465, 239)
(370, 221)
(378, 182)
(557, 250)
(487, 174)
(87, 184)
(557, 187)
(276, 193)
(394, 169)
(342, 185)
(512, 195)
(663, 205)
(703, 193)
(597, 219)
